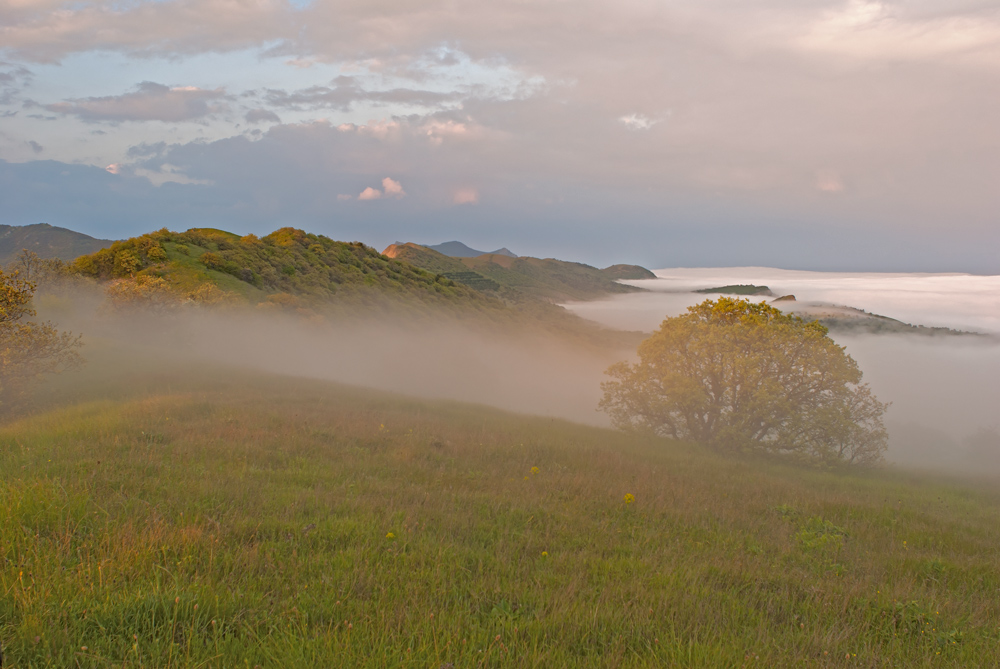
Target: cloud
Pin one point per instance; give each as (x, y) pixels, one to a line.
(262, 116)
(113, 168)
(466, 196)
(868, 29)
(637, 121)
(149, 102)
(167, 173)
(899, 97)
(13, 79)
(392, 188)
(344, 196)
(829, 182)
(35, 146)
(378, 129)
(46, 31)
(344, 93)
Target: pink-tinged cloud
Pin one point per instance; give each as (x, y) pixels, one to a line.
(113, 168)
(466, 196)
(829, 182)
(393, 188)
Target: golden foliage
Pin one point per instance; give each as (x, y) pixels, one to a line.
(149, 293)
(28, 350)
(746, 377)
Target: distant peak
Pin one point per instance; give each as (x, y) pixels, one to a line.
(457, 249)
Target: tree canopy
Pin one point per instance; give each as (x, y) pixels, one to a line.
(744, 377)
(28, 349)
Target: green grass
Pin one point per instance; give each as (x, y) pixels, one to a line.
(224, 519)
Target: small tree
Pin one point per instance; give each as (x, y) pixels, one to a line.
(28, 350)
(744, 377)
(142, 293)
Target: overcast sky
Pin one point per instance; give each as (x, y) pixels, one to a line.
(812, 134)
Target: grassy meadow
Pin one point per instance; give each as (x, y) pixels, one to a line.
(219, 518)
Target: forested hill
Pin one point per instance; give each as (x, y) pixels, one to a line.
(46, 241)
(287, 262)
(525, 277)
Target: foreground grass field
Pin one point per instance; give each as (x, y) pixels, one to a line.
(240, 521)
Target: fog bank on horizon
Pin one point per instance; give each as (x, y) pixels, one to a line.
(943, 389)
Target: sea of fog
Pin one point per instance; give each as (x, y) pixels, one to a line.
(943, 389)
(959, 301)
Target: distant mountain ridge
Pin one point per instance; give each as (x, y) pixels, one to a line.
(48, 241)
(517, 278)
(456, 249)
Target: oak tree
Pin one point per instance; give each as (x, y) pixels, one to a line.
(744, 377)
(28, 350)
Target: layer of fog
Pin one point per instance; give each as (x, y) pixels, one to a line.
(530, 372)
(943, 389)
(959, 301)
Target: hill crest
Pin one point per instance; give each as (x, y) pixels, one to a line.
(523, 277)
(457, 249)
(47, 241)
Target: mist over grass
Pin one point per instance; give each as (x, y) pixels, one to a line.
(436, 354)
(942, 389)
(205, 492)
(183, 515)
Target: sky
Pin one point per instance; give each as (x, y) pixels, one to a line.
(814, 134)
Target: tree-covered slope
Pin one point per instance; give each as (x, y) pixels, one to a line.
(287, 262)
(545, 278)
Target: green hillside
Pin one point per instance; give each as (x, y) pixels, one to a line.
(313, 275)
(217, 518)
(287, 262)
(47, 241)
(547, 278)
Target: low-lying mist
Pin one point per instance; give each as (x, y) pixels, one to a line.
(436, 356)
(943, 389)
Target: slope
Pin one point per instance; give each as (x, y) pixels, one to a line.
(547, 278)
(219, 518)
(288, 262)
(310, 275)
(47, 241)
